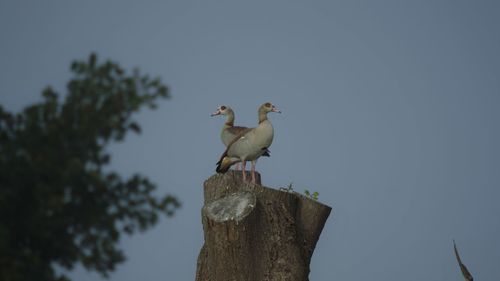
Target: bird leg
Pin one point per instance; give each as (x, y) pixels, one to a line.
(243, 170)
(253, 171)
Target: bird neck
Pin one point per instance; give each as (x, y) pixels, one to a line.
(230, 118)
(262, 115)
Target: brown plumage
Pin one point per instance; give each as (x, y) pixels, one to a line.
(236, 130)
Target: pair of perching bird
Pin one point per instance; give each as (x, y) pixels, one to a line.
(245, 144)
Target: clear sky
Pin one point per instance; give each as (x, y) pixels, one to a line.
(390, 112)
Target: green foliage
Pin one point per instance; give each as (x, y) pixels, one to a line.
(289, 188)
(314, 195)
(58, 205)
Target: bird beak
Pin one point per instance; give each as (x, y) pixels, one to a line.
(216, 113)
(275, 109)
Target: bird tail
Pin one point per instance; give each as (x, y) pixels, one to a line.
(224, 164)
(266, 153)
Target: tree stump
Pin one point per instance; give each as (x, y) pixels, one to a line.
(255, 233)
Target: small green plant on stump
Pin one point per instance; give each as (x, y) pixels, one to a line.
(313, 195)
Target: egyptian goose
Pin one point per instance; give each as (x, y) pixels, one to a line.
(229, 131)
(250, 144)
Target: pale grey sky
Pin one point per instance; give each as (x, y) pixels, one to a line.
(390, 112)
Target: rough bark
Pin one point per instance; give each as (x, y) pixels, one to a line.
(255, 233)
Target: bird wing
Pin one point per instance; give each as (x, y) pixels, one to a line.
(239, 131)
(244, 143)
(236, 130)
(240, 136)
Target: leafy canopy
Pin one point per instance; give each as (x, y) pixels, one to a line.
(58, 205)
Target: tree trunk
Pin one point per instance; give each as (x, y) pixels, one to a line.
(255, 233)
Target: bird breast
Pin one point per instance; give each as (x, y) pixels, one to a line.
(226, 136)
(251, 145)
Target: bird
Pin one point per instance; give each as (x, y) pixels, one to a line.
(250, 144)
(229, 131)
(463, 268)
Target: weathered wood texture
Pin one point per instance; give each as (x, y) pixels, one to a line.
(255, 233)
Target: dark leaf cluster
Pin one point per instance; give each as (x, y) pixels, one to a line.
(58, 205)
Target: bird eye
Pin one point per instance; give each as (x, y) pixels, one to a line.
(223, 107)
(268, 104)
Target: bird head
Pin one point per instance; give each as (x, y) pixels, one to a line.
(269, 107)
(221, 110)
